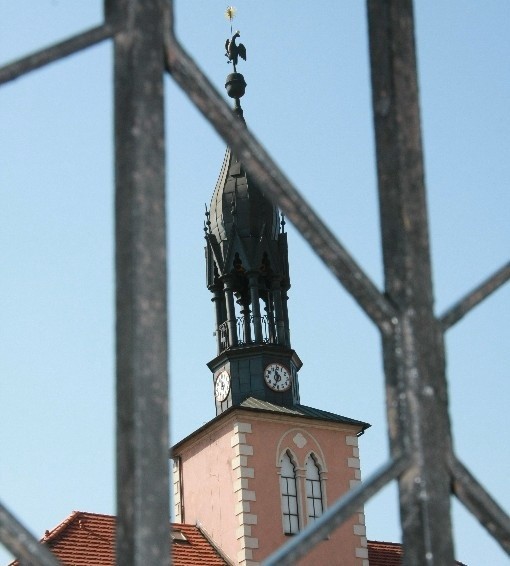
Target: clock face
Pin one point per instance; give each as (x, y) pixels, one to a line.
(222, 385)
(277, 377)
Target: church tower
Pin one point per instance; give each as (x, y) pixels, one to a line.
(266, 466)
(248, 276)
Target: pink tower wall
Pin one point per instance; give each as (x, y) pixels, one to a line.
(231, 484)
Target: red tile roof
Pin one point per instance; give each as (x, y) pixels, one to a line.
(88, 539)
(384, 553)
(387, 554)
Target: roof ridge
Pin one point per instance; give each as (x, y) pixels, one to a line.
(385, 542)
(213, 543)
(52, 534)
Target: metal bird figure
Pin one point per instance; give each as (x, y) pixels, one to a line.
(234, 51)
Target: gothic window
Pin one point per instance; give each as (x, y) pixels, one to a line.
(288, 488)
(314, 502)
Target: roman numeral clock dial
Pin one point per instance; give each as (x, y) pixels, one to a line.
(277, 377)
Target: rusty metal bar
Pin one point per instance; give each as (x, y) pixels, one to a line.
(274, 183)
(475, 297)
(22, 543)
(481, 504)
(141, 285)
(414, 355)
(335, 515)
(50, 54)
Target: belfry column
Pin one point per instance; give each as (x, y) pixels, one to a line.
(278, 311)
(219, 307)
(246, 320)
(231, 312)
(285, 309)
(255, 307)
(270, 319)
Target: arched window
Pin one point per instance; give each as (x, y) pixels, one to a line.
(314, 502)
(288, 488)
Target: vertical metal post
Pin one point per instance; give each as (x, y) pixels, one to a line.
(141, 285)
(255, 307)
(414, 353)
(231, 312)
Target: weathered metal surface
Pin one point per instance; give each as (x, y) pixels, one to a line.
(413, 356)
(333, 517)
(475, 297)
(481, 504)
(141, 283)
(55, 52)
(23, 544)
(413, 342)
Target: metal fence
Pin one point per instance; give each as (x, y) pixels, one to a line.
(422, 459)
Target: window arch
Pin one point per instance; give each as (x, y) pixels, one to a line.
(289, 495)
(314, 498)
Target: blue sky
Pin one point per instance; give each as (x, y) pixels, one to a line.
(308, 100)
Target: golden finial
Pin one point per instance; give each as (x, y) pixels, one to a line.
(230, 13)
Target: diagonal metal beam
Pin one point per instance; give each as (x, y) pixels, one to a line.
(55, 52)
(22, 544)
(475, 297)
(274, 183)
(339, 512)
(480, 503)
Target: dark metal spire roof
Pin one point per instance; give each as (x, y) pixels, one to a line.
(238, 204)
(238, 208)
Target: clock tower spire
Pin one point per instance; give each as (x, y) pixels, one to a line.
(248, 276)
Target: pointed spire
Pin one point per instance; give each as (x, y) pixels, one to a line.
(248, 274)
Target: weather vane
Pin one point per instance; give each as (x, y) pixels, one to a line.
(232, 50)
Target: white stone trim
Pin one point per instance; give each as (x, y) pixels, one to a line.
(176, 478)
(238, 439)
(250, 542)
(242, 427)
(244, 555)
(359, 528)
(246, 495)
(242, 507)
(244, 472)
(250, 519)
(238, 461)
(351, 440)
(243, 531)
(310, 438)
(241, 452)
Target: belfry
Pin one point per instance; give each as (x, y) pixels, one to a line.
(248, 275)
